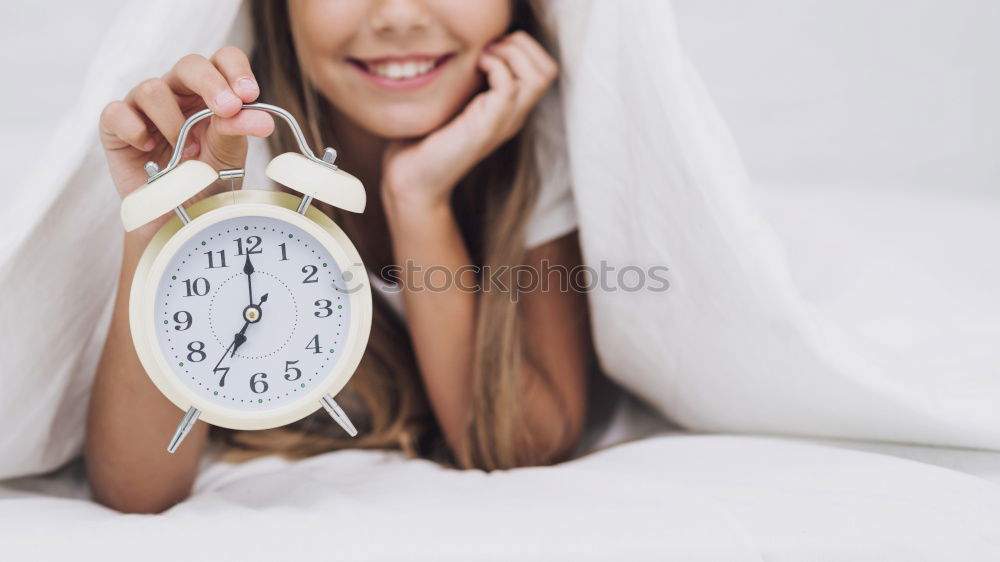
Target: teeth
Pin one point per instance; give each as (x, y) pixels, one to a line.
(401, 71)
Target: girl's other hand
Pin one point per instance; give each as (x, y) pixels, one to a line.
(145, 125)
(422, 173)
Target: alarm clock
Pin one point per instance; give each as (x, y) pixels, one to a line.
(249, 309)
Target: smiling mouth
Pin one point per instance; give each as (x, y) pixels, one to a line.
(400, 68)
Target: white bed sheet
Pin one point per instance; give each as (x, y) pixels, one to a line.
(664, 496)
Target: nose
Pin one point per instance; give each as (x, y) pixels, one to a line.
(399, 17)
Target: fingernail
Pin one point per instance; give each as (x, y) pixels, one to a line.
(247, 84)
(226, 98)
(191, 149)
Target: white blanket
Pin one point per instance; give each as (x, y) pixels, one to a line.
(733, 346)
(672, 497)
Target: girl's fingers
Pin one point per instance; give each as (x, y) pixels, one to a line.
(121, 126)
(245, 123)
(534, 50)
(532, 83)
(155, 99)
(196, 75)
(499, 77)
(235, 67)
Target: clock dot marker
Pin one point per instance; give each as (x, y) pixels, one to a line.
(289, 235)
(246, 228)
(181, 363)
(302, 384)
(165, 322)
(174, 277)
(260, 400)
(331, 351)
(216, 393)
(202, 242)
(324, 265)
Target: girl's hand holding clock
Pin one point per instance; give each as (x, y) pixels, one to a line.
(129, 465)
(144, 126)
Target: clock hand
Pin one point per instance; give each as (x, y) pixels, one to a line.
(248, 269)
(218, 367)
(240, 338)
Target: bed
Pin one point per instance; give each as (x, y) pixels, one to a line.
(645, 491)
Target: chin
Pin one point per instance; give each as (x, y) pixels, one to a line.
(406, 121)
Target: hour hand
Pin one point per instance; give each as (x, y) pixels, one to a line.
(239, 340)
(251, 314)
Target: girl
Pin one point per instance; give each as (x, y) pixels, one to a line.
(426, 102)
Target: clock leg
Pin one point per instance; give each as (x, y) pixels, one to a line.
(182, 430)
(304, 205)
(338, 415)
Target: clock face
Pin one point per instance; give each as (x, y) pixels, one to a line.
(252, 313)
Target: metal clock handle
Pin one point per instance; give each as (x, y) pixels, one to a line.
(329, 154)
(153, 170)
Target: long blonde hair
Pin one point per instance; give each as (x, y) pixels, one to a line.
(492, 204)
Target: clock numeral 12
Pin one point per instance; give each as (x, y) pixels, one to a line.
(253, 245)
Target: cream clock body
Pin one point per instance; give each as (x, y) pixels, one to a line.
(250, 309)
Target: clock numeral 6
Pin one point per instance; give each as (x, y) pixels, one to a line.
(310, 271)
(182, 317)
(253, 245)
(197, 288)
(257, 383)
(324, 305)
(196, 352)
(289, 368)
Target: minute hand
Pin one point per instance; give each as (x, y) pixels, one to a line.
(225, 370)
(248, 269)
